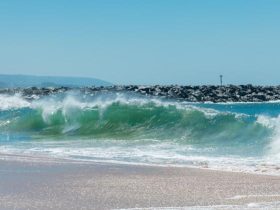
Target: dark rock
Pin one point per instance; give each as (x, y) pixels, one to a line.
(230, 93)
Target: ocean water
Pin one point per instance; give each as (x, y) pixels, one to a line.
(134, 129)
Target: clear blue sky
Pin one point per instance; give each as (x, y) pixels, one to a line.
(143, 41)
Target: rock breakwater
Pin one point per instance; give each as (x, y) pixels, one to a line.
(204, 93)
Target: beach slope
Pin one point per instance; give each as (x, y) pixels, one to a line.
(68, 185)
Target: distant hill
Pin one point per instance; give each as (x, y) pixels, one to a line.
(23, 81)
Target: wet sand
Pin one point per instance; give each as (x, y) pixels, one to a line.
(65, 185)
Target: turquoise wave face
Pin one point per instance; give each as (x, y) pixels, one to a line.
(120, 127)
(127, 121)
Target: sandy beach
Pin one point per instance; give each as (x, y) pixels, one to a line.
(66, 185)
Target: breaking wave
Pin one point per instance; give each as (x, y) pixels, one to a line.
(123, 118)
(129, 128)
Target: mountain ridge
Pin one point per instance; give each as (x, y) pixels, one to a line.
(24, 81)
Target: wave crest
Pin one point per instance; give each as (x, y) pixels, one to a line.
(123, 117)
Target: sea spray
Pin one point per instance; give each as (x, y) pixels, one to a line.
(274, 145)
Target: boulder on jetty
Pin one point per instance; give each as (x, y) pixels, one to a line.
(204, 93)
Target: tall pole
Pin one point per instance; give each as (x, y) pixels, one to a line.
(221, 80)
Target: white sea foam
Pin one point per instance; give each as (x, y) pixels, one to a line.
(49, 105)
(256, 206)
(71, 103)
(12, 102)
(273, 123)
(238, 197)
(152, 152)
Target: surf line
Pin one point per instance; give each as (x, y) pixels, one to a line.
(238, 197)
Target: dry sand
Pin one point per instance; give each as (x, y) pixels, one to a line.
(65, 185)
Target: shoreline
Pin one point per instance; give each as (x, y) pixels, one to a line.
(66, 185)
(262, 169)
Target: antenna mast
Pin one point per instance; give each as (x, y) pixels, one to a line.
(221, 79)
